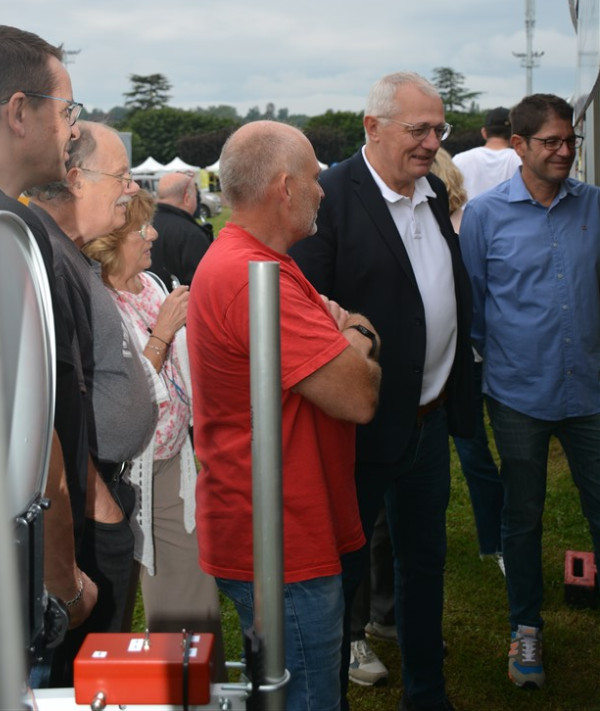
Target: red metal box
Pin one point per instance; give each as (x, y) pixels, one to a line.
(134, 669)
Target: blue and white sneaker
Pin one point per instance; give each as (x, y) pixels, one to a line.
(525, 668)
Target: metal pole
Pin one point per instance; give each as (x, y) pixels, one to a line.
(265, 385)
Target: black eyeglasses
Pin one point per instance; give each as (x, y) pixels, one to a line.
(73, 109)
(420, 131)
(127, 179)
(554, 143)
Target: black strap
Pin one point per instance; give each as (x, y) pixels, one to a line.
(185, 676)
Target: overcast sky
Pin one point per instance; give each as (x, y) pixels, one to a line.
(306, 55)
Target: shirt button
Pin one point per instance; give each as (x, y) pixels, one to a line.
(559, 275)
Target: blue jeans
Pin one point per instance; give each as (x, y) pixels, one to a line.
(313, 612)
(416, 491)
(481, 473)
(523, 443)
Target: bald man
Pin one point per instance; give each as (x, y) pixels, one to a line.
(329, 381)
(181, 241)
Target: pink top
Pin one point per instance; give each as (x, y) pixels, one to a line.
(140, 313)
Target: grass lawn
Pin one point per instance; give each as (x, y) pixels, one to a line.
(476, 615)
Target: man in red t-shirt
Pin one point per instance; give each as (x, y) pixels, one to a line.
(330, 381)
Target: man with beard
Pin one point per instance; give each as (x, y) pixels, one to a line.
(329, 381)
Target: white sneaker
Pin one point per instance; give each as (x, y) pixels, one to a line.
(365, 667)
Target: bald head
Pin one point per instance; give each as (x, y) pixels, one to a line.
(177, 189)
(255, 154)
(269, 175)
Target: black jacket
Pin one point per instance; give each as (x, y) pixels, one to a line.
(180, 245)
(358, 259)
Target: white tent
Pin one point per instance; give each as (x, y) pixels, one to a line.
(179, 165)
(148, 166)
(214, 168)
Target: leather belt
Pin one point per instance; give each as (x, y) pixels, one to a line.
(424, 410)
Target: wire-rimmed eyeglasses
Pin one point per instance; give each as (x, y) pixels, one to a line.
(73, 109)
(554, 143)
(127, 179)
(143, 231)
(420, 131)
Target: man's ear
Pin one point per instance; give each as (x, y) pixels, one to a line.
(17, 111)
(283, 186)
(371, 124)
(519, 143)
(74, 180)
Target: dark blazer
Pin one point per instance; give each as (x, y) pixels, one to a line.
(180, 245)
(358, 259)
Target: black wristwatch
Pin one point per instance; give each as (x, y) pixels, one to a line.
(367, 333)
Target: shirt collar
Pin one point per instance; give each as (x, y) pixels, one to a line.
(423, 189)
(518, 190)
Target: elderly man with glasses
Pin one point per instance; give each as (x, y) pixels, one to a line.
(385, 247)
(90, 202)
(532, 248)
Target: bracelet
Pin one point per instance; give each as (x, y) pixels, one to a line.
(158, 338)
(77, 599)
(156, 349)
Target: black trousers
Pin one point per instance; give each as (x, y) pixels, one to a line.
(106, 556)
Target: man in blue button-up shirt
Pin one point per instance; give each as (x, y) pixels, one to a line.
(532, 249)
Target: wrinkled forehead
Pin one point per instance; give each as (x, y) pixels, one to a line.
(110, 154)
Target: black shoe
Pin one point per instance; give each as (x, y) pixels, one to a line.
(407, 705)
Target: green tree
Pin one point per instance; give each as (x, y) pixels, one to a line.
(450, 85)
(335, 134)
(328, 142)
(222, 111)
(253, 115)
(147, 92)
(157, 131)
(204, 149)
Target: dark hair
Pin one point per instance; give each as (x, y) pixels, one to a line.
(529, 115)
(497, 123)
(24, 61)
